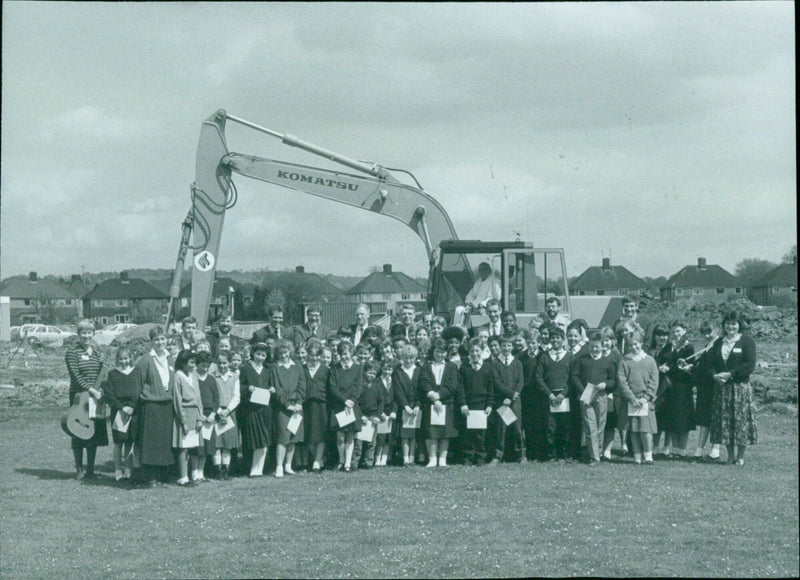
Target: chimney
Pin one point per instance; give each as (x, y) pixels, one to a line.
(387, 269)
(32, 276)
(75, 278)
(300, 269)
(124, 276)
(606, 263)
(701, 263)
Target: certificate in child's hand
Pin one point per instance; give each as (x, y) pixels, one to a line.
(223, 426)
(385, 427)
(642, 411)
(206, 430)
(345, 417)
(367, 432)
(412, 421)
(190, 439)
(294, 423)
(506, 414)
(589, 394)
(120, 424)
(476, 420)
(260, 396)
(562, 408)
(438, 417)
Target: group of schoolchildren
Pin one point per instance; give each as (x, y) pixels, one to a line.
(427, 394)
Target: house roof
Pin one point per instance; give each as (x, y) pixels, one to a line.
(712, 276)
(314, 283)
(599, 278)
(132, 288)
(221, 287)
(387, 283)
(784, 275)
(43, 288)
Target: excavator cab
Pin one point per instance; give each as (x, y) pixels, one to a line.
(527, 276)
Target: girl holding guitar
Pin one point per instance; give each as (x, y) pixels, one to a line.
(84, 366)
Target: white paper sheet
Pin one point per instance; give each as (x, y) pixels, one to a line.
(224, 425)
(119, 424)
(506, 414)
(642, 411)
(260, 396)
(367, 432)
(345, 417)
(562, 408)
(477, 420)
(438, 417)
(412, 421)
(385, 427)
(294, 423)
(206, 430)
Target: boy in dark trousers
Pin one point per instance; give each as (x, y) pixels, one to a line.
(475, 393)
(552, 380)
(508, 390)
(371, 403)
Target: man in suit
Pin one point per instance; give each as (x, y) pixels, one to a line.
(274, 328)
(403, 329)
(223, 330)
(494, 311)
(313, 327)
(630, 311)
(361, 324)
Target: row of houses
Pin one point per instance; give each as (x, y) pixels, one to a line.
(701, 282)
(126, 299)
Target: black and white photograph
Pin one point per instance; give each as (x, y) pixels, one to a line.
(398, 290)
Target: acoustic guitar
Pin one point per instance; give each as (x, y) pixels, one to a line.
(76, 421)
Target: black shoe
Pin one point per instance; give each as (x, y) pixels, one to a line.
(189, 483)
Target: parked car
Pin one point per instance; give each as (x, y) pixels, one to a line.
(45, 334)
(109, 333)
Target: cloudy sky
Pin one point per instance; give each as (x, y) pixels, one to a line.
(653, 132)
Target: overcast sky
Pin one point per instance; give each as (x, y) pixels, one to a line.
(656, 132)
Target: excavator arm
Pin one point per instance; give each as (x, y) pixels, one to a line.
(213, 193)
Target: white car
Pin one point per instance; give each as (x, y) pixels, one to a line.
(109, 333)
(45, 334)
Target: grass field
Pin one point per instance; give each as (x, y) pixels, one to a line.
(672, 519)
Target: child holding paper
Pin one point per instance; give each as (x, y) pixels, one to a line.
(371, 404)
(345, 383)
(637, 378)
(474, 395)
(552, 379)
(121, 391)
(227, 441)
(384, 441)
(507, 392)
(315, 410)
(289, 381)
(188, 414)
(209, 395)
(610, 352)
(438, 383)
(406, 383)
(600, 372)
(256, 418)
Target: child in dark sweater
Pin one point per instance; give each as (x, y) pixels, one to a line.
(552, 380)
(371, 403)
(600, 371)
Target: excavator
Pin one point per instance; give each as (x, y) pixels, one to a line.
(527, 275)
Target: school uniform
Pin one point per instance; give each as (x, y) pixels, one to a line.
(664, 391)
(256, 420)
(209, 395)
(535, 412)
(637, 377)
(680, 402)
(508, 385)
(122, 390)
(289, 382)
(592, 370)
(552, 377)
(371, 404)
(476, 391)
(389, 407)
(156, 410)
(613, 394)
(229, 397)
(188, 407)
(576, 439)
(315, 408)
(703, 376)
(441, 379)
(406, 392)
(345, 384)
